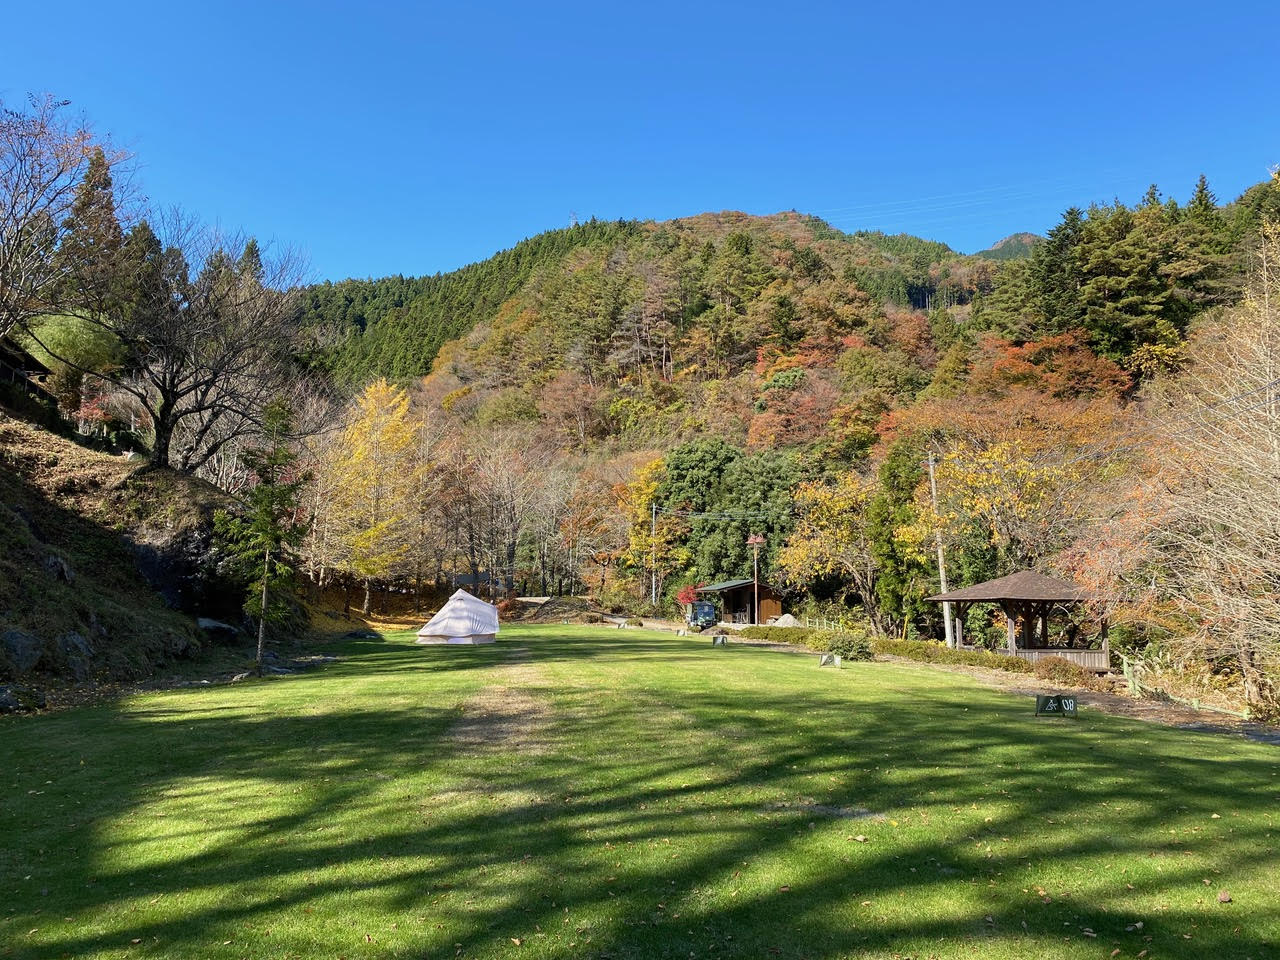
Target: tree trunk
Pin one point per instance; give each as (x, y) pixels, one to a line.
(368, 598)
(262, 613)
(162, 426)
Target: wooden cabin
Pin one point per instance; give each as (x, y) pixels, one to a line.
(24, 371)
(737, 597)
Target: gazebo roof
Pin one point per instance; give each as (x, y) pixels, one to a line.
(1023, 585)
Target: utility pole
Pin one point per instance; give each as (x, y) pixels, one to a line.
(653, 557)
(754, 542)
(942, 563)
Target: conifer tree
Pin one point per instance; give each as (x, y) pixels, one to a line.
(263, 541)
(90, 249)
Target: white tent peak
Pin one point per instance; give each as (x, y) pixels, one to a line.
(463, 619)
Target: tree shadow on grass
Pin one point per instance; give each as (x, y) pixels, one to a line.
(669, 812)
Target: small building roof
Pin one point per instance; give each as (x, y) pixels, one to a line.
(1023, 585)
(727, 585)
(20, 359)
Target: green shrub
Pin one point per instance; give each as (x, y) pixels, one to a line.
(1062, 671)
(849, 645)
(591, 618)
(694, 628)
(634, 622)
(801, 636)
(929, 652)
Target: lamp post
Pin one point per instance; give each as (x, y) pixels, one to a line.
(754, 542)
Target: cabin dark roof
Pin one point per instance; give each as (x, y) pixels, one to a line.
(1023, 585)
(727, 585)
(19, 359)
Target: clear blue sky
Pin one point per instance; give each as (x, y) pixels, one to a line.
(408, 138)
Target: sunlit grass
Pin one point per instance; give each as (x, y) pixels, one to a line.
(625, 794)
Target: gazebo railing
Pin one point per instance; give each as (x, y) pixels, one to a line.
(1098, 661)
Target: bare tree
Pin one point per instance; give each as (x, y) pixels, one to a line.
(206, 328)
(1203, 529)
(44, 157)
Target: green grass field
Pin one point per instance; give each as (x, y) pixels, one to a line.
(580, 792)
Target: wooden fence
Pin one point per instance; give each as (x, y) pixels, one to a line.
(822, 623)
(1099, 661)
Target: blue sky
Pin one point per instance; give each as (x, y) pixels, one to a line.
(383, 138)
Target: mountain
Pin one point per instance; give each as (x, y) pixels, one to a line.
(396, 326)
(776, 331)
(1012, 247)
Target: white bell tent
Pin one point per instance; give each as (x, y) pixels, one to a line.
(463, 619)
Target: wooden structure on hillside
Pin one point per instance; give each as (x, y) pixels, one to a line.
(20, 368)
(736, 598)
(1027, 598)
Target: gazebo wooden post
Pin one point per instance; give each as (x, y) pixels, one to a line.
(1012, 628)
(1028, 624)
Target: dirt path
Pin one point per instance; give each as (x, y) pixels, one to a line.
(1155, 711)
(504, 715)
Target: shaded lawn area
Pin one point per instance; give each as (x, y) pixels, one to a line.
(576, 791)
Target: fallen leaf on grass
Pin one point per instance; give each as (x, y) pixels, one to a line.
(1224, 897)
(517, 941)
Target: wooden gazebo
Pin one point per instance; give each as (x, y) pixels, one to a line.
(1027, 598)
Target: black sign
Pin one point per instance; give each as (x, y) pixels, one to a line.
(1059, 705)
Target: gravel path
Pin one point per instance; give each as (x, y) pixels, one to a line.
(1155, 711)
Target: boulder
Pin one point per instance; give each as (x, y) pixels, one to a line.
(786, 620)
(73, 645)
(217, 629)
(58, 568)
(19, 651)
(78, 654)
(15, 698)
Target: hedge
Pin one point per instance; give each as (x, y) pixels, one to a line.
(937, 653)
(849, 645)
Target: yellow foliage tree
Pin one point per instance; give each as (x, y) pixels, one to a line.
(1027, 506)
(373, 478)
(831, 538)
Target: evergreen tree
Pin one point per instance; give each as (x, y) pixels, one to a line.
(250, 263)
(1055, 277)
(904, 579)
(262, 542)
(93, 238)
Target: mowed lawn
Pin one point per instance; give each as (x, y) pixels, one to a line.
(580, 792)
